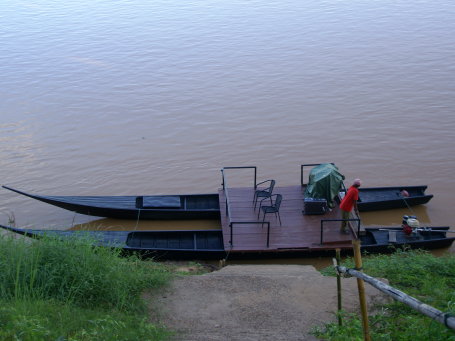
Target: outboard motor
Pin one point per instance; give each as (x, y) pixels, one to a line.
(410, 224)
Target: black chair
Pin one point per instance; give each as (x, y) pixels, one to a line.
(273, 208)
(263, 192)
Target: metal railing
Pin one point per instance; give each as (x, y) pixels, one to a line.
(225, 187)
(231, 225)
(308, 165)
(356, 234)
(228, 208)
(240, 167)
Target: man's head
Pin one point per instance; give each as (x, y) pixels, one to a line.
(357, 183)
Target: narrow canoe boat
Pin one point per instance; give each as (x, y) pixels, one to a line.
(186, 244)
(190, 206)
(206, 206)
(326, 182)
(385, 198)
(208, 244)
(382, 239)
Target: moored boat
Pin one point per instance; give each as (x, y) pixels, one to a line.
(326, 182)
(385, 239)
(185, 244)
(384, 198)
(208, 244)
(206, 206)
(184, 206)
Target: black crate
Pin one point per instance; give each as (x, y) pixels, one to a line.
(314, 206)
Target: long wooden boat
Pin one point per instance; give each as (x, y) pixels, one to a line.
(205, 206)
(182, 244)
(326, 182)
(187, 206)
(208, 244)
(385, 239)
(385, 198)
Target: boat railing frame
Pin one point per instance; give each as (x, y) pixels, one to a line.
(225, 186)
(228, 209)
(231, 225)
(356, 234)
(309, 165)
(239, 167)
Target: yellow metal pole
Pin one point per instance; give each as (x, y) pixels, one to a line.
(361, 289)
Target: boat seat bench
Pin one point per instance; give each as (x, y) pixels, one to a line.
(392, 236)
(165, 201)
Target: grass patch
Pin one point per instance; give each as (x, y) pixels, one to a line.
(37, 320)
(419, 274)
(68, 290)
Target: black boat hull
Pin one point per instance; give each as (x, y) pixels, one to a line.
(377, 239)
(173, 207)
(385, 198)
(205, 206)
(208, 244)
(161, 245)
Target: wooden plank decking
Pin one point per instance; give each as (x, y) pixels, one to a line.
(297, 230)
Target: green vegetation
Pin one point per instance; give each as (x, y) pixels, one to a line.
(67, 290)
(419, 274)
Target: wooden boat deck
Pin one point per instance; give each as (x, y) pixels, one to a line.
(298, 231)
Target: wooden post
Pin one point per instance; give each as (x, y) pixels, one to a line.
(338, 259)
(361, 289)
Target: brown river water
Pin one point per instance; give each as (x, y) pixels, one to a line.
(139, 97)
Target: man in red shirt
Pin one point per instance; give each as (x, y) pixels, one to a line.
(349, 201)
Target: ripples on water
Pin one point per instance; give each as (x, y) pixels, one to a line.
(141, 98)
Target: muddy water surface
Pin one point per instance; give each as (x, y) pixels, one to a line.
(118, 98)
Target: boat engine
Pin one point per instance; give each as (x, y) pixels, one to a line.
(410, 224)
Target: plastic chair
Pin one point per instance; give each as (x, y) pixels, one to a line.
(273, 208)
(264, 192)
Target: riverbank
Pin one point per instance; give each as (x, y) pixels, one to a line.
(52, 288)
(417, 273)
(65, 289)
(252, 302)
(295, 302)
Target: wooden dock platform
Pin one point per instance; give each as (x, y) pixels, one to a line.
(298, 231)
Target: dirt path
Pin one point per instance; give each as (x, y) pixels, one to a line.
(253, 302)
